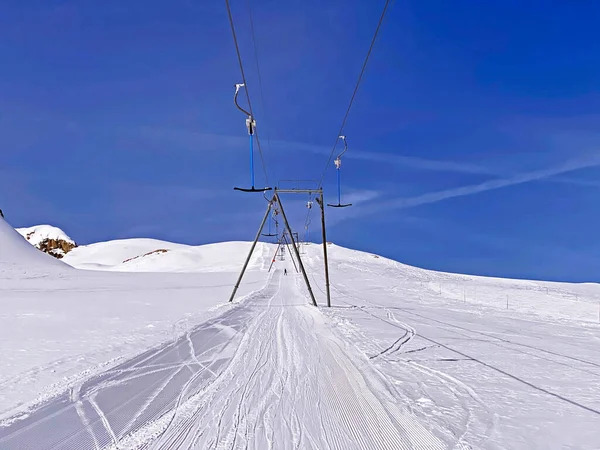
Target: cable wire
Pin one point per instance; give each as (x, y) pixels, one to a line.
(306, 224)
(239, 56)
(260, 84)
(364, 66)
(307, 221)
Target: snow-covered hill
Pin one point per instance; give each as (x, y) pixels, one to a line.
(152, 255)
(49, 239)
(473, 362)
(16, 254)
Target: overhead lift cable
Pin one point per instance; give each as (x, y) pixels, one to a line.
(251, 112)
(260, 85)
(362, 71)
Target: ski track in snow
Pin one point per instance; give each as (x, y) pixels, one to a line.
(277, 394)
(267, 374)
(515, 377)
(403, 360)
(494, 359)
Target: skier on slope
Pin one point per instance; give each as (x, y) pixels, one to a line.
(285, 271)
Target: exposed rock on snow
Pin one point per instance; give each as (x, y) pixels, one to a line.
(153, 252)
(49, 239)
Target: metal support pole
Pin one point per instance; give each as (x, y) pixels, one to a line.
(287, 225)
(339, 187)
(322, 205)
(262, 224)
(298, 243)
(291, 256)
(252, 161)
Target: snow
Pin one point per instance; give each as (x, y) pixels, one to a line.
(16, 255)
(39, 233)
(149, 255)
(405, 358)
(59, 325)
(485, 375)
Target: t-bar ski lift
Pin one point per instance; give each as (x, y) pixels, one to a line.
(276, 200)
(338, 165)
(251, 126)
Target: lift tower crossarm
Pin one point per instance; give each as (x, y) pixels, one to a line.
(299, 191)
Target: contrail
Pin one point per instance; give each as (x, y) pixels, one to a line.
(521, 178)
(390, 158)
(202, 141)
(433, 197)
(421, 163)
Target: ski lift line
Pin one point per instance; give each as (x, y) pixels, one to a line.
(339, 157)
(307, 221)
(360, 77)
(260, 84)
(252, 159)
(298, 185)
(239, 57)
(339, 204)
(306, 225)
(272, 219)
(287, 244)
(270, 233)
(251, 127)
(246, 113)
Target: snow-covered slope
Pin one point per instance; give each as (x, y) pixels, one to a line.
(49, 239)
(473, 362)
(59, 325)
(497, 363)
(550, 300)
(152, 255)
(17, 254)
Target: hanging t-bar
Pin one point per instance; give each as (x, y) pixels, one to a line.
(338, 165)
(271, 234)
(251, 127)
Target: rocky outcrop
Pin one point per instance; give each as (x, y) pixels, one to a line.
(153, 252)
(49, 239)
(56, 247)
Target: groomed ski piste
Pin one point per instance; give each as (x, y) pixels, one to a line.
(132, 344)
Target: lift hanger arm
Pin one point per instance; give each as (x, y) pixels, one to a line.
(238, 86)
(343, 138)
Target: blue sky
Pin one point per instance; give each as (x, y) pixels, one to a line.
(472, 142)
